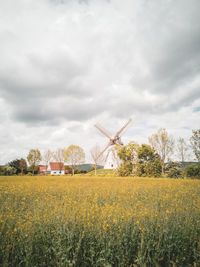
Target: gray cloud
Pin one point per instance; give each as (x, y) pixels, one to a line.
(82, 61)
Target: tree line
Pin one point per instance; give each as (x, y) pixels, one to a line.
(153, 159)
(73, 155)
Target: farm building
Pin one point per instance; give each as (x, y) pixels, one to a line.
(54, 168)
(42, 169)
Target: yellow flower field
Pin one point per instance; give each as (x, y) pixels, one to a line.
(90, 221)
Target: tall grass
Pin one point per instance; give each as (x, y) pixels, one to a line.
(87, 221)
(102, 172)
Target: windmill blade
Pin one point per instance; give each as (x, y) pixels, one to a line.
(101, 153)
(102, 131)
(123, 128)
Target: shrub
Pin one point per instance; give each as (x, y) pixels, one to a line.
(125, 169)
(192, 171)
(69, 169)
(174, 170)
(7, 170)
(149, 169)
(174, 173)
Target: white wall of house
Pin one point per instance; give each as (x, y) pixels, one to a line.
(57, 172)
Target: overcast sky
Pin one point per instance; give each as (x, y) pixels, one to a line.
(68, 64)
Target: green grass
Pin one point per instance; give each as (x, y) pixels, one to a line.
(102, 172)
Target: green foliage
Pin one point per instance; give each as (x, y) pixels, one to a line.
(192, 171)
(76, 171)
(33, 169)
(128, 152)
(54, 245)
(87, 167)
(163, 144)
(150, 169)
(19, 164)
(34, 157)
(74, 155)
(23, 166)
(15, 164)
(68, 168)
(174, 170)
(36, 169)
(7, 170)
(148, 163)
(79, 171)
(125, 169)
(128, 156)
(195, 143)
(92, 168)
(1, 170)
(174, 173)
(139, 161)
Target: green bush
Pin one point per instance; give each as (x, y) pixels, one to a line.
(174, 173)
(174, 170)
(7, 170)
(152, 168)
(125, 169)
(69, 169)
(192, 171)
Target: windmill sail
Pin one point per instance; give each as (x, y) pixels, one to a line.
(112, 141)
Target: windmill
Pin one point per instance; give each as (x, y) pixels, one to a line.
(116, 140)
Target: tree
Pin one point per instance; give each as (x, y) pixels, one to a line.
(148, 163)
(7, 170)
(128, 155)
(47, 156)
(195, 143)
(96, 157)
(34, 158)
(15, 164)
(163, 144)
(182, 149)
(74, 155)
(23, 166)
(58, 155)
(1, 170)
(20, 165)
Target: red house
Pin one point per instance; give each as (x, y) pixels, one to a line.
(54, 168)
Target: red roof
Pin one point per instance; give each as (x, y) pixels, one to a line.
(57, 166)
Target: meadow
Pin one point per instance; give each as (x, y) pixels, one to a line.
(99, 221)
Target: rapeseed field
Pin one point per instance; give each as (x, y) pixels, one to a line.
(89, 221)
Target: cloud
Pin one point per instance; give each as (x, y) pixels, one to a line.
(66, 64)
